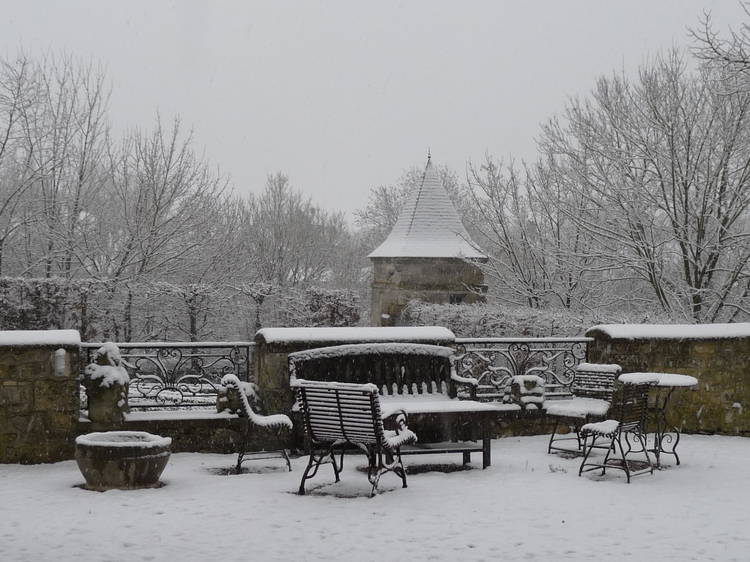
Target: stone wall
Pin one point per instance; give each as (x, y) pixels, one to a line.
(39, 402)
(720, 403)
(396, 281)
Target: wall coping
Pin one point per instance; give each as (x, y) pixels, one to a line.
(335, 336)
(40, 338)
(670, 331)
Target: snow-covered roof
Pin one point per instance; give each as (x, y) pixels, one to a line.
(428, 225)
(19, 338)
(356, 334)
(671, 331)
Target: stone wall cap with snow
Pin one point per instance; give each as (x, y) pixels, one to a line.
(39, 338)
(414, 334)
(670, 331)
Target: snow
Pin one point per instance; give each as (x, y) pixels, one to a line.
(428, 225)
(578, 407)
(672, 331)
(438, 403)
(659, 379)
(114, 373)
(527, 506)
(612, 368)
(356, 334)
(124, 439)
(177, 415)
(332, 385)
(268, 422)
(108, 374)
(606, 427)
(371, 349)
(19, 338)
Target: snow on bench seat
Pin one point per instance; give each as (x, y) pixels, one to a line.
(438, 404)
(580, 407)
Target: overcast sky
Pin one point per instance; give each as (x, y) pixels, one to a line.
(343, 96)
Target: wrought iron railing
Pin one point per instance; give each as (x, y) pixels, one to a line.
(494, 361)
(179, 375)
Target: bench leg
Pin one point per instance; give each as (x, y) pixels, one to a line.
(486, 452)
(467, 457)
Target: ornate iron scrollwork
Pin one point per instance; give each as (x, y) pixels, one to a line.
(181, 375)
(494, 362)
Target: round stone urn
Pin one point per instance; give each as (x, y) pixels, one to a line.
(122, 460)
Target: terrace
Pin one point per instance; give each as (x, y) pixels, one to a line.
(528, 506)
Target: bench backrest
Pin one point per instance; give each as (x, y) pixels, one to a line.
(340, 411)
(394, 368)
(594, 380)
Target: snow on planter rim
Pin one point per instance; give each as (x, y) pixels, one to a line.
(356, 334)
(141, 439)
(671, 331)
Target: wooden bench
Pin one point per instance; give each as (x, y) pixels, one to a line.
(337, 415)
(592, 388)
(419, 380)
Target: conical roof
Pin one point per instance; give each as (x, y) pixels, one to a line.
(428, 225)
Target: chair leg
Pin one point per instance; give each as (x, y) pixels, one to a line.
(287, 459)
(552, 437)
(586, 454)
(624, 455)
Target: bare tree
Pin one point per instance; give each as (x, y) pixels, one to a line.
(662, 168)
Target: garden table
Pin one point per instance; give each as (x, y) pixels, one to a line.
(665, 435)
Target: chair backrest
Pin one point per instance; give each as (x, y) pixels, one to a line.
(394, 368)
(633, 406)
(594, 380)
(340, 411)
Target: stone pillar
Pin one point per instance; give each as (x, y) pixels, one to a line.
(396, 281)
(39, 395)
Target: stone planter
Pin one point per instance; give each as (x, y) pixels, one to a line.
(122, 460)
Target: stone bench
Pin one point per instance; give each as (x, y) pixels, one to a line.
(419, 380)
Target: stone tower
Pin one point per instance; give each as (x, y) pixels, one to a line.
(427, 256)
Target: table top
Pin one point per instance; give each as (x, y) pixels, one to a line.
(659, 379)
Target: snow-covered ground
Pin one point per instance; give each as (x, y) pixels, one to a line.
(527, 506)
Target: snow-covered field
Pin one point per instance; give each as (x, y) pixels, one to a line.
(527, 506)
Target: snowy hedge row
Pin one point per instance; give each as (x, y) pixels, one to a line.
(496, 320)
(102, 310)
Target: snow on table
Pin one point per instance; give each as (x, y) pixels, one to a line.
(659, 379)
(356, 334)
(672, 331)
(20, 338)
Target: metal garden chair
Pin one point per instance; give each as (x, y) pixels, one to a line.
(624, 435)
(274, 424)
(592, 390)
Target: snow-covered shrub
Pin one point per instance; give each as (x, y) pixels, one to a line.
(106, 381)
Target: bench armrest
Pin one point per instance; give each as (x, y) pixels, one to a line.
(468, 383)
